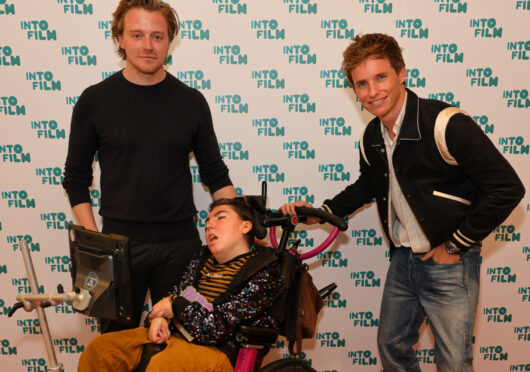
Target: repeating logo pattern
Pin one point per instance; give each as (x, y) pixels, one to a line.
(284, 113)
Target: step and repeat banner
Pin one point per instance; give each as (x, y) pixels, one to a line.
(284, 113)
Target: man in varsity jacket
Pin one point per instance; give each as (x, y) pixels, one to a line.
(441, 187)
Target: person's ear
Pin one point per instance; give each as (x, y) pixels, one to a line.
(246, 226)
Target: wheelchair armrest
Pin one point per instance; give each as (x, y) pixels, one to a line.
(256, 335)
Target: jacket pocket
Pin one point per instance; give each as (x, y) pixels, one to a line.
(451, 197)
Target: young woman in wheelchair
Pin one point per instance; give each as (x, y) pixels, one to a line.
(228, 284)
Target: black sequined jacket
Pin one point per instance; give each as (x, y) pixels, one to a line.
(245, 302)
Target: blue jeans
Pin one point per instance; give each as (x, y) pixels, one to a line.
(447, 294)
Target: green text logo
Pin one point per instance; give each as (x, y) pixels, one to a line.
(38, 30)
(268, 127)
(451, 6)
(412, 29)
(7, 58)
(376, 6)
(447, 53)
(486, 28)
(193, 30)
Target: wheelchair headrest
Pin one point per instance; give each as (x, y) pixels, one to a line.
(257, 208)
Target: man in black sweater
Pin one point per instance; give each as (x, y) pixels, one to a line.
(143, 123)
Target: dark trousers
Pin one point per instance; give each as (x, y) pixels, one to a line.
(157, 266)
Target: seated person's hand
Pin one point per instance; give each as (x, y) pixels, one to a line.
(159, 330)
(289, 209)
(162, 309)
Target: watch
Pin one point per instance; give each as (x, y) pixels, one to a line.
(451, 247)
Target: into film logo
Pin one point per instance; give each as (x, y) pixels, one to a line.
(194, 79)
(231, 104)
(298, 150)
(414, 80)
(330, 339)
(447, 53)
(519, 49)
(337, 29)
(451, 6)
(516, 98)
(48, 129)
(268, 79)
(362, 358)
(43, 80)
(76, 6)
(68, 345)
(193, 30)
(412, 29)
(364, 319)
(335, 126)
(299, 103)
(482, 77)
(4, 310)
(501, 275)
(195, 175)
(79, 55)
(448, 97)
(333, 259)
(230, 55)
(38, 30)
(55, 221)
(333, 172)
(9, 106)
(230, 6)
(6, 8)
(493, 353)
(267, 29)
(18, 199)
(14, 154)
(376, 6)
(106, 27)
(301, 6)
(268, 127)
(300, 54)
(7, 58)
(200, 218)
(334, 79)
(15, 240)
(334, 301)
(497, 315)
(233, 151)
(513, 146)
(298, 193)
(6, 348)
(485, 28)
(522, 5)
(268, 172)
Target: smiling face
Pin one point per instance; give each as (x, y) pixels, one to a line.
(146, 44)
(380, 88)
(225, 233)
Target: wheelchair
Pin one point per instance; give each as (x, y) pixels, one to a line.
(100, 273)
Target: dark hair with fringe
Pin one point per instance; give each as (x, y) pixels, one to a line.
(371, 45)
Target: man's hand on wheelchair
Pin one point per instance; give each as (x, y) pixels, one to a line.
(162, 309)
(159, 330)
(289, 209)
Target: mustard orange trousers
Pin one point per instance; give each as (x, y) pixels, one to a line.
(121, 351)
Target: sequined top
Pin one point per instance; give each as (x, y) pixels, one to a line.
(246, 301)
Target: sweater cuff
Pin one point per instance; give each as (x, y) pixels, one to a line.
(178, 305)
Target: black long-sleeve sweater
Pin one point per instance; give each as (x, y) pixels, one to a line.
(143, 136)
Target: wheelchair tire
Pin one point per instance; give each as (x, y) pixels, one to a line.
(288, 365)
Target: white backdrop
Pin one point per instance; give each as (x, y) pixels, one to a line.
(270, 72)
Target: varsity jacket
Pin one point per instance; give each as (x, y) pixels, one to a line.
(245, 302)
(456, 182)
